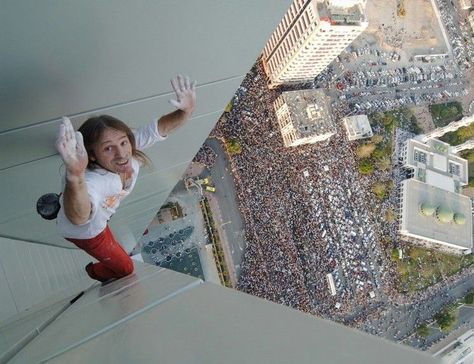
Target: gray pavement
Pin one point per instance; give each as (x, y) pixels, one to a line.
(229, 221)
(399, 322)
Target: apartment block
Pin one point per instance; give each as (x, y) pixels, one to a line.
(310, 36)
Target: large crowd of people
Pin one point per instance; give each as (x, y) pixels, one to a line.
(309, 213)
(306, 213)
(205, 156)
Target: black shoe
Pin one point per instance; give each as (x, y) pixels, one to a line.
(89, 271)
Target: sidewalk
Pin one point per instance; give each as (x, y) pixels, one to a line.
(448, 341)
(208, 264)
(217, 217)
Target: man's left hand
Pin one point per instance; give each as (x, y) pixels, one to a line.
(185, 94)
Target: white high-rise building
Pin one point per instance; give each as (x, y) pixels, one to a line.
(310, 36)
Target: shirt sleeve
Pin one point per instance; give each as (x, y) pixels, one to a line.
(147, 135)
(94, 199)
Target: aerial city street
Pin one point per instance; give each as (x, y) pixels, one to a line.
(319, 222)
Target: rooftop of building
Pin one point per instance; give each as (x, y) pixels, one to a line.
(436, 165)
(310, 113)
(436, 214)
(358, 126)
(342, 13)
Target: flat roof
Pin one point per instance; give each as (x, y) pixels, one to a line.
(440, 180)
(358, 126)
(429, 227)
(342, 13)
(309, 112)
(440, 162)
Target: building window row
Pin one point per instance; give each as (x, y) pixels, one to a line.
(419, 156)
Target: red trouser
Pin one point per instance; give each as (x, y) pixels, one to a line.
(114, 261)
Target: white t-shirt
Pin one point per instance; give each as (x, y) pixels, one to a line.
(106, 191)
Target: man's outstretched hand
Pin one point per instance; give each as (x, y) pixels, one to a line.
(70, 146)
(185, 94)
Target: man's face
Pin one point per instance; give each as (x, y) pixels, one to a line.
(113, 151)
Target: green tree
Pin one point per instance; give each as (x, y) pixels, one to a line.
(469, 298)
(423, 330)
(414, 126)
(388, 120)
(459, 136)
(445, 319)
(446, 112)
(376, 139)
(394, 254)
(466, 132)
(390, 216)
(468, 154)
(379, 189)
(365, 150)
(233, 146)
(378, 153)
(384, 163)
(376, 117)
(366, 166)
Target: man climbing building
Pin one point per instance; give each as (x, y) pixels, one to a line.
(102, 161)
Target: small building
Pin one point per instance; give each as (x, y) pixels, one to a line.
(304, 117)
(466, 4)
(357, 127)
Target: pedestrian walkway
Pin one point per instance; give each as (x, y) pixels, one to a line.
(217, 216)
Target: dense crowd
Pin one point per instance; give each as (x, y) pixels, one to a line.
(306, 214)
(205, 156)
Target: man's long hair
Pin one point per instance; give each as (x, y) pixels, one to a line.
(92, 130)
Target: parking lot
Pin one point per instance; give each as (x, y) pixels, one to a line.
(375, 73)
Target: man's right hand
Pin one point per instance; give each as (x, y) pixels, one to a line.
(70, 146)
